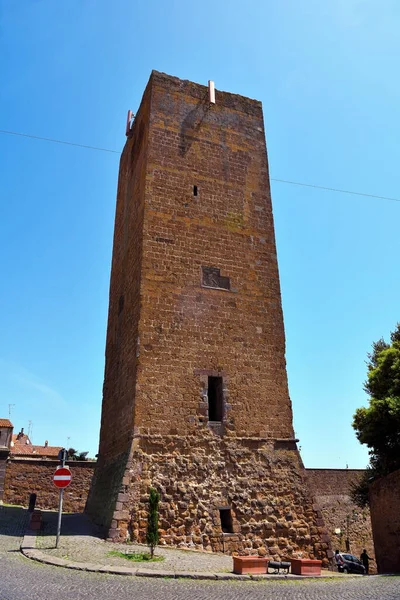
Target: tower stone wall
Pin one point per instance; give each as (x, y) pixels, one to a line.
(195, 399)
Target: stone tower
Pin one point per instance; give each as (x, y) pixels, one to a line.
(195, 399)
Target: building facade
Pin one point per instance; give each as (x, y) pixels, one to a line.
(6, 429)
(195, 398)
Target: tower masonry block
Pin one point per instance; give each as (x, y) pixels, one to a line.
(195, 398)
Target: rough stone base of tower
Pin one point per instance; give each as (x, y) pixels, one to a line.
(259, 483)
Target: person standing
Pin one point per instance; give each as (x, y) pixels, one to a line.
(365, 560)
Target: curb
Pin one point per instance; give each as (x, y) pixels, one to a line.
(29, 550)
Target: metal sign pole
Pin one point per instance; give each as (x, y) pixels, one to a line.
(59, 516)
(63, 454)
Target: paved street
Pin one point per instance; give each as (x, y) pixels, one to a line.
(22, 579)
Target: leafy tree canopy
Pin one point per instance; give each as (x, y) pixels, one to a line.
(75, 455)
(378, 425)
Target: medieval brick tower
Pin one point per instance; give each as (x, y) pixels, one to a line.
(195, 398)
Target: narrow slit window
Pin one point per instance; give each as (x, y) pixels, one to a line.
(195, 190)
(225, 515)
(120, 305)
(215, 399)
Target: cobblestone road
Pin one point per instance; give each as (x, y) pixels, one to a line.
(21, 579)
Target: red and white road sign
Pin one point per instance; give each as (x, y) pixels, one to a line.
(62, 477)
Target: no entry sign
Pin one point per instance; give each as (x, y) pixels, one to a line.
(62, 477)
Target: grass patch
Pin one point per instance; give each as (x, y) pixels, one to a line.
(136, 556)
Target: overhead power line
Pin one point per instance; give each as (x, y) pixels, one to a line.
(337, 190)
(44, 139)
(287, 181)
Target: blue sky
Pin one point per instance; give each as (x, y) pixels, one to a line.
(327, 74)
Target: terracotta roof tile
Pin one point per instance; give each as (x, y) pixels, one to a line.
(20, 447)
(19, 439)
(33, 450)
(5, 423)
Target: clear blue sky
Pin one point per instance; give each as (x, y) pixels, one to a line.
(327, 74)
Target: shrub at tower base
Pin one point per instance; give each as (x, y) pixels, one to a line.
(152, 535)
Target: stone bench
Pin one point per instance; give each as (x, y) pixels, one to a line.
(305, 566)
(249, 564)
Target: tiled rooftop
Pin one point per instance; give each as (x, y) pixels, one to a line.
(22, 446)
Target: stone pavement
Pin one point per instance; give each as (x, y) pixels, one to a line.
(81, 542)
(22, 579)
(81, 547)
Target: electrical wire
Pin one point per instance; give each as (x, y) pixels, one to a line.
(287, 181)
(36, 137)
(337, 190)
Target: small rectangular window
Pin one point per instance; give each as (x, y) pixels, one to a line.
(120, 305)
(195, 190)
(225, 515)
(215, 399)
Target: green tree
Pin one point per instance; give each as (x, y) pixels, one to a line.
(378, 425)
(152, 535)
(75, 455)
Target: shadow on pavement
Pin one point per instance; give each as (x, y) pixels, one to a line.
(15, 519)
(71, 524)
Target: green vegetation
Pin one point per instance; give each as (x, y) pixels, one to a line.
(136, 556)
(378, 425)
(152, 535)
(75, 455)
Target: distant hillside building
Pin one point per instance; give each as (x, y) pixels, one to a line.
(195, 398)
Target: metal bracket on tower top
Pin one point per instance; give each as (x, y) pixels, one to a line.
(129, 121)
(211, 92)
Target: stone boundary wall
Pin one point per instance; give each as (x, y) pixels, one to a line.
(24, 477)
(332, 481)
(331, 490)
(385, 515)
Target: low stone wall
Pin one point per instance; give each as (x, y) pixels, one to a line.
(331, 490)
(24, 477)
(385, 515)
